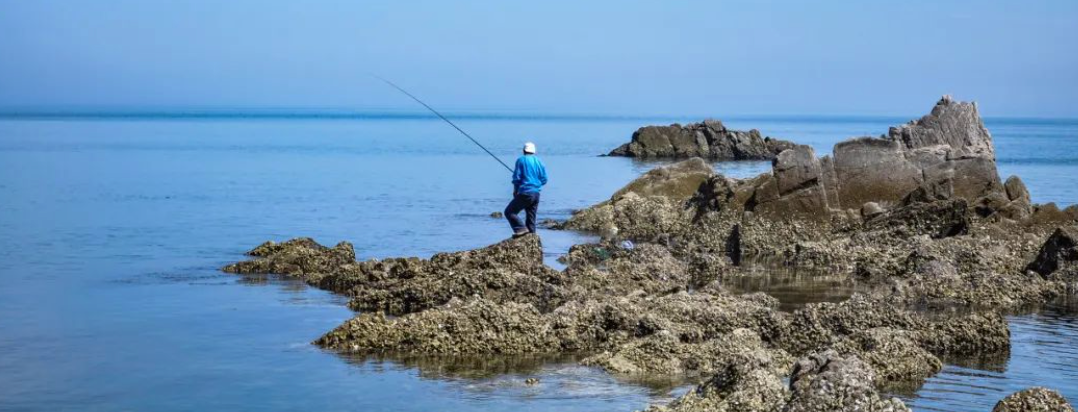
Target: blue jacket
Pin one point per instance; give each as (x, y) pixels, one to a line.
(529, 175)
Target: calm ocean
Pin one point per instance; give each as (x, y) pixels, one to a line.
(112, 229)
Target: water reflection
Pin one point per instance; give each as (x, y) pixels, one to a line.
(793, 286)
(550, 377)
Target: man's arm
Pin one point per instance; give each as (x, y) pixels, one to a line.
(542, 173)
(518, 176)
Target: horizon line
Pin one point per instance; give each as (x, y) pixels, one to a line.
(11, 113)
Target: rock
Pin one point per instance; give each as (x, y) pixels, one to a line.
(828, 381)
(946, 155)
(950, 143)
(1059, 250)
(610, 268)
(300, 257)
(709, 139)
(474, 326)
(1036, 399)
(497, 215)
(678, 181)
(295, 245)
(648, 206)
(929, 192)
(953, 124)
(937, 219)
(894, 355)
(743, 383)
(874, 170)
(976, 333)
(870, 210)
(1016, 190)
(665, 354)
(511, 270)
(1049, 213)
(817, 326)
(796, 189)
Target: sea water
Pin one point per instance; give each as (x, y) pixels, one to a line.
(113, 227)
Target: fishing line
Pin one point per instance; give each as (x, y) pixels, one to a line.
(446, 120)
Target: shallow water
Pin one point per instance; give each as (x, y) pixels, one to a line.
(113, 230)
(794, 287)
(1044, 352)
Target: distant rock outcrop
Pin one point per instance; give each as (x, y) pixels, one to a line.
(709, 139)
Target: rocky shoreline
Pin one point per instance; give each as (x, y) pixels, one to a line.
(919, 215)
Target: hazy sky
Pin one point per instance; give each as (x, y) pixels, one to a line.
(1016, 58)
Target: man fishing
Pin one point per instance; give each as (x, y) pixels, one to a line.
(529, 177)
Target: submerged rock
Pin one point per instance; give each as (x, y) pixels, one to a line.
(1035, 399)
(709, 139)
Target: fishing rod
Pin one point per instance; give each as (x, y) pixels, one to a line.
(446, 120)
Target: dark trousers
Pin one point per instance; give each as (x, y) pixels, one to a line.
(528, 202)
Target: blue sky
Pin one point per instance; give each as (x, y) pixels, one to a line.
(716, 58)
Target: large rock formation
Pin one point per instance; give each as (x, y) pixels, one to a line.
(709, 139)
(947, 153)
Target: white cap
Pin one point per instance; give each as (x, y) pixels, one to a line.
(529, 147)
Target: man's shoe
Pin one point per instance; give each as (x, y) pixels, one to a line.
(520, 233)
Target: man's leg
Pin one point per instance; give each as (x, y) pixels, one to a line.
(512, 211)
(532, 210)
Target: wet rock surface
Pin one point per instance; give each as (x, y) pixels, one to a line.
(938, 247)
(709, 139)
